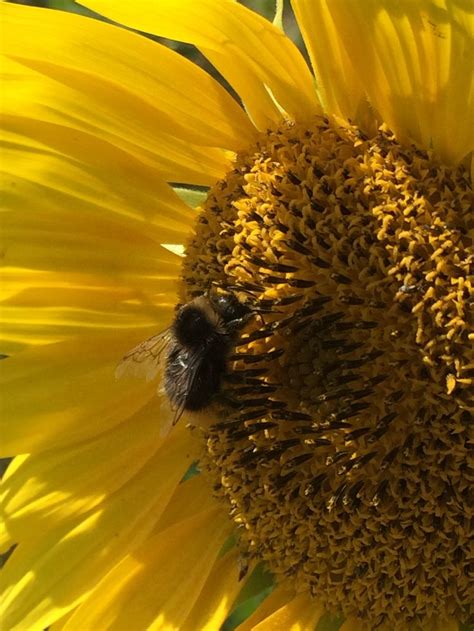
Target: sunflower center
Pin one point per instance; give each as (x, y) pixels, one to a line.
(345, 447)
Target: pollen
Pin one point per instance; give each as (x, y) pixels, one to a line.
(344, 442)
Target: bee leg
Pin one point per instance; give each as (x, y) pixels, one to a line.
(239, 323)
(227, 401)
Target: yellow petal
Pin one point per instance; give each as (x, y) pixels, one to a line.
(248, 50)
(41, 587)
(156, 586)
(45, 241)
(41, 163)
(278, 598)
(414, 61)
(123, 86)
(338, 86)
(48, 307)
(59, 624)
(60, 394)
(87, 249)
(221, 588)
(23, 287)
(48, 488)
(91, 208)
(217, 596)
(6, 540)
(191, 497)
(300, 614)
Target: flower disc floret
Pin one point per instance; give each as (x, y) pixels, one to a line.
(344, 447)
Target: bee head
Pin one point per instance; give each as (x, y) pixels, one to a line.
(229, 308)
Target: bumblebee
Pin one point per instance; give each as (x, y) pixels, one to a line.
(194, 349)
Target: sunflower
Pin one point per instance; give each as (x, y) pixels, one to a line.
(330, 484)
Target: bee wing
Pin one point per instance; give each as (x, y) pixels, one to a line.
(168, 424)
(145, 359)
(184, 375)
(179, 408)
(182, 381)
(194, 376)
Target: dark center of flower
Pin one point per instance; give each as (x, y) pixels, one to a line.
(345, 452)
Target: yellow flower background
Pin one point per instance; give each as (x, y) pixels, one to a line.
(98, 123)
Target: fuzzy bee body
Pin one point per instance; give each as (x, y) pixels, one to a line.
(194, 351)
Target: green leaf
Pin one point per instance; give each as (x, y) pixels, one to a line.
(192, 471)
(228, 545)
(329, 622)
(245, 610)
(257, 587)
(258, 581)
(191, 196)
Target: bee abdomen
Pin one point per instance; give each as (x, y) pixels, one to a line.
(193, 379)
